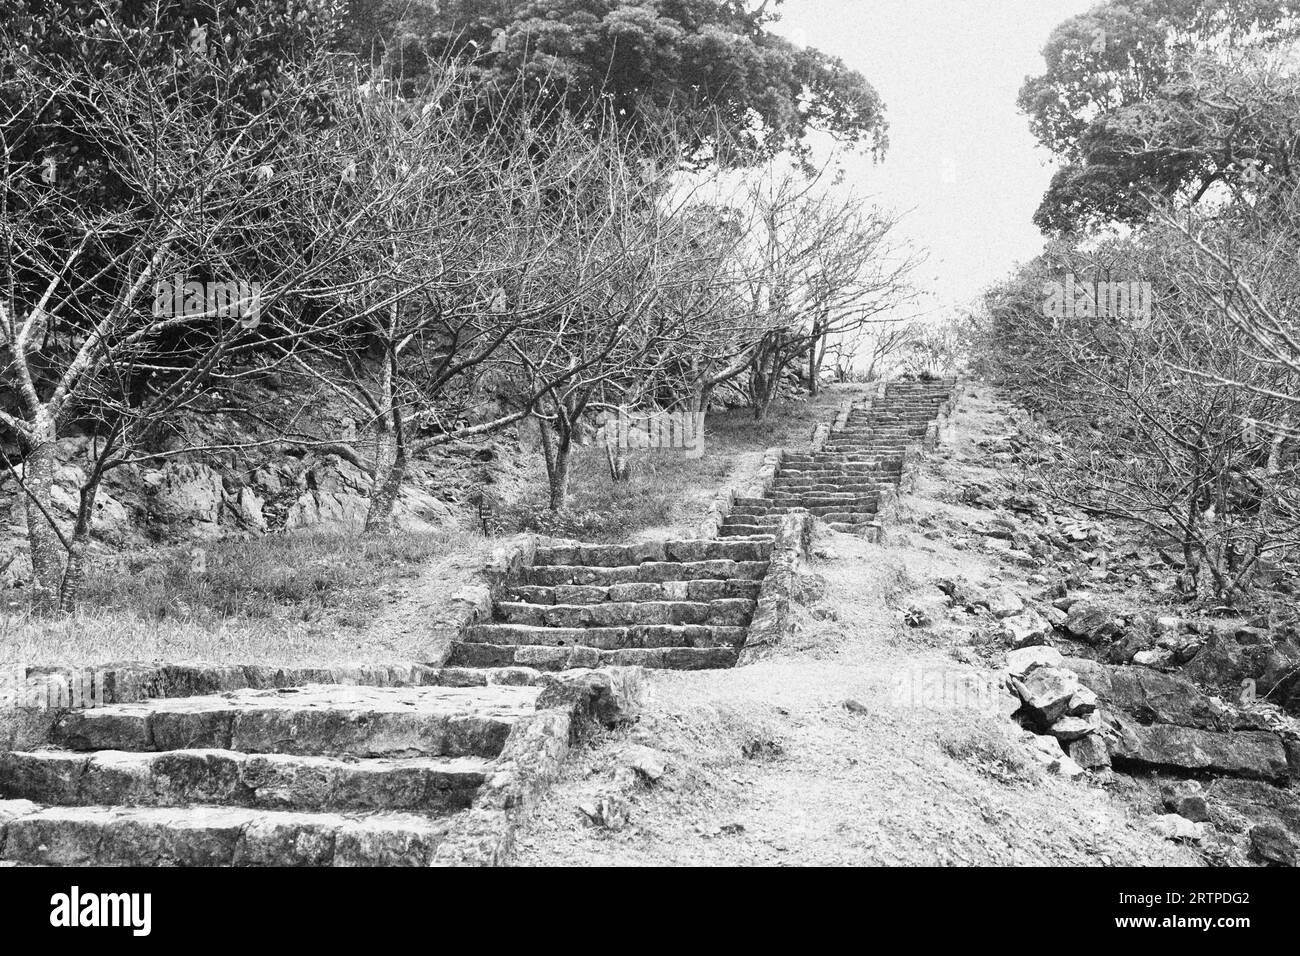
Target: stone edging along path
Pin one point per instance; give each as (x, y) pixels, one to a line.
(417, 764)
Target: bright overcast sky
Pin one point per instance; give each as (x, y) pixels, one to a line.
(961, 157)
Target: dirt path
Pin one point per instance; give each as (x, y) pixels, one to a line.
(827, 754)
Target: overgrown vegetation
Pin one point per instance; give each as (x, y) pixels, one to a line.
(448, 242)
(1167, 357)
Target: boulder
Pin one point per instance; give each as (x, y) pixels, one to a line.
(1022, 660)
(1149, 696)
(1089, 752)
(1124, 649)
(1025, 629)
(1092, 621)
(1273, 845)
(1253, 754)
(1003, 602)
(1046, 691)
(1186, 798)
(1156, 657)
(1073, 728)
(1173, 827)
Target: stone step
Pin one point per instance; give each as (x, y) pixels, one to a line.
(609, 638)
(822, 462)
(272, 781)
(551, 658)
(823, 512)
(807, 485)
(864, 449)
(213, 836)
(822, 501)
(316, 719)
(846, 517)
(732, 528)
(734, 612)
(704, 589)
(870, 530)
(826, 511)
(618, 555)
(834, 488)
(652, 572)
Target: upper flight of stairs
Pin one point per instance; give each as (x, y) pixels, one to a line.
(842, 484)
(688, 604)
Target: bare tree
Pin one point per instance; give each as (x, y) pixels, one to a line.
(116, 315)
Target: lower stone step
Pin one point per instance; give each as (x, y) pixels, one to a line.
(271, 781)
(317, 719)
(609, 638)
(550, 658)
(737, 528)
(212, 836)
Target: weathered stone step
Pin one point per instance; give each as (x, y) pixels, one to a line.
(731, 529)
(704, 589)
(213, 836)
(273, 781)
(551, 658)
(823, 462)
(318, 719)
(610, 638)
(870, 530)
(877, 471)
(725, 611)
(617, 555)
(816, 487)
(652, 572)
(822, 501)
(847, 517)
(828, 512)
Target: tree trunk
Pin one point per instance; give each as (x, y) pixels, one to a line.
(43, 542)
(390, 448)
(559, 474)
(557, 446)
(390, 473)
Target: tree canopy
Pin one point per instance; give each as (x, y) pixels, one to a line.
(1127, 101)
(712, 64)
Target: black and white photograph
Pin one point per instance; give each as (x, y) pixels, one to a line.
(636, 434)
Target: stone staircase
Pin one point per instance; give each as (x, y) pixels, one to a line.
(666, 604)
(412, 765)
(313, 775)
(843, 482)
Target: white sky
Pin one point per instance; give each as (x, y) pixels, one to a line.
(962, 163)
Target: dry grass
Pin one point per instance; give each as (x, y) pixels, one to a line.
(279, 599)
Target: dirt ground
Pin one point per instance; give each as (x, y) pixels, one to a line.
(863, 741)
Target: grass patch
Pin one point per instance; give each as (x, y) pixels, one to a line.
(663, 491)
(987, 750)
(312, 597)
(298, 576)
